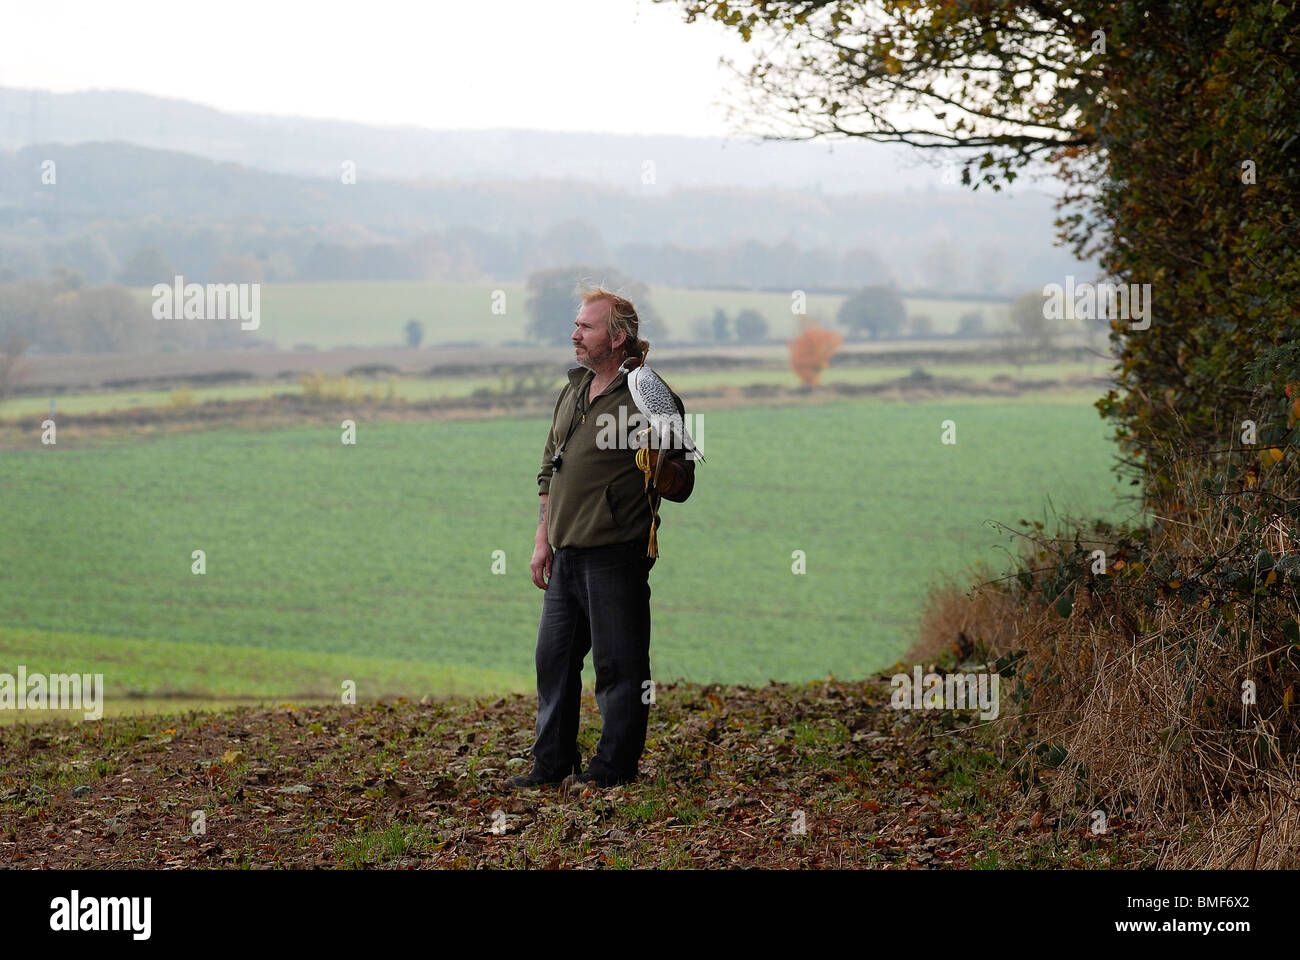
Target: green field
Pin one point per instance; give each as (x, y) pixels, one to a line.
(367, 314)
(424, 388)
(373, 563)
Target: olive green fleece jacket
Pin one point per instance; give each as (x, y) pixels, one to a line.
(597, 497)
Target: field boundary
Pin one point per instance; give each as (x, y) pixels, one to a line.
(290, 410)
(73, 373)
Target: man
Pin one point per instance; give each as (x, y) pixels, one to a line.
(591, 556)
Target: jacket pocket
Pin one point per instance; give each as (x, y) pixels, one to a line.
(611, 506)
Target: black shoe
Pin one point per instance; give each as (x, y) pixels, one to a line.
(531, 781)
(578, 782)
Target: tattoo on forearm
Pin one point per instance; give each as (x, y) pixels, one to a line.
(541, 513)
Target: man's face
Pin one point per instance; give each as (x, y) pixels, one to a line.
(591, 343)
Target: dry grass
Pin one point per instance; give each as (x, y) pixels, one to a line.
(1142, 684)
(956, 618)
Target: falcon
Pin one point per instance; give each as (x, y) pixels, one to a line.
(655, 401)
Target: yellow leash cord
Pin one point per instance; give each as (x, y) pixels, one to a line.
(643, 461)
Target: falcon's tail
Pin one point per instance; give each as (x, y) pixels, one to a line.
(690, 446)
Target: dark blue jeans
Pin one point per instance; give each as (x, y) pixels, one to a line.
(598, 599)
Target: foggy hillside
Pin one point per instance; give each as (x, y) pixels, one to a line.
(318, 147)
(99, 181)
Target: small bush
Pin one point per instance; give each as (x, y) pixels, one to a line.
(181, 397)
(332, 388)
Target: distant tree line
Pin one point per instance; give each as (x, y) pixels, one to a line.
(62, 314)
(875, 312)
(454, 255)
(748, 326)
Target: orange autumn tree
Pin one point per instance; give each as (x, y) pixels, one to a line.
(811, 351)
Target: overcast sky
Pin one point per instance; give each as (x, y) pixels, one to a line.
(617, 66)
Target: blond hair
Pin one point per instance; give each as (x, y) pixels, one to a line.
(622, 318)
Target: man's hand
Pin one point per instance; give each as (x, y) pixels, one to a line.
(541, 563)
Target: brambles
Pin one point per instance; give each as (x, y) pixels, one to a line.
(1165, 659)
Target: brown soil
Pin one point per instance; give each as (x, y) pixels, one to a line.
(810, 775)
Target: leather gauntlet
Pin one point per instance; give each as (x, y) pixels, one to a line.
(672, 478)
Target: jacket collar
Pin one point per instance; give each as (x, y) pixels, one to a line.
(578, 374)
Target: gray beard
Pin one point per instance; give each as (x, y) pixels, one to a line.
(592, 362)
